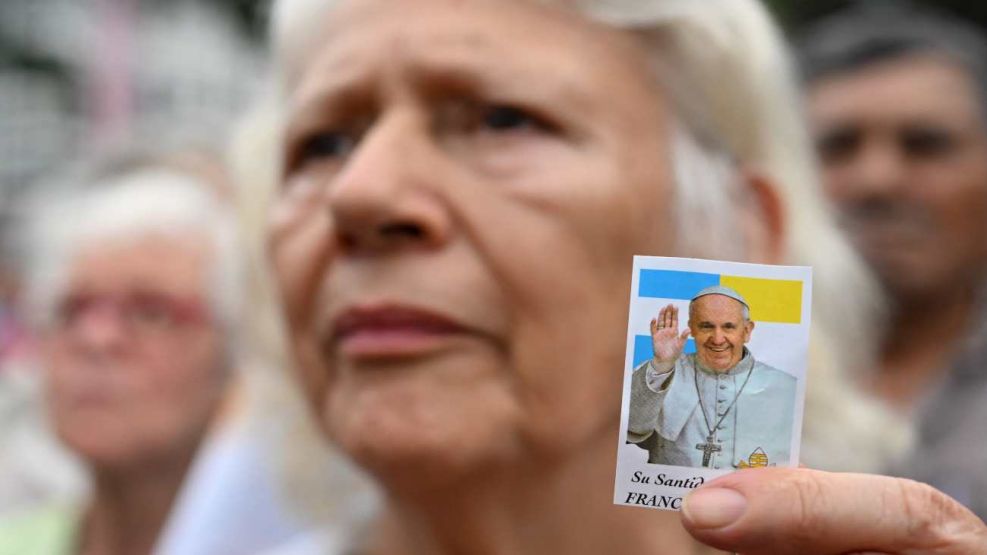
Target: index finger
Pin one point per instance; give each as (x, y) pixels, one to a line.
(792, 511)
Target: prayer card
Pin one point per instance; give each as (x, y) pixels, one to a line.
(714, 375)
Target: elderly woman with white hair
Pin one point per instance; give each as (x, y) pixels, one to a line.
(135, 288)
(463, 184)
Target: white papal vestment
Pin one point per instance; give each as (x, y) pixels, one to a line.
(667, 416)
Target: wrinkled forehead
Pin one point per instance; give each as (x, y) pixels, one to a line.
(715, 307)
(170, 261)
(302, 28)
(686, 49)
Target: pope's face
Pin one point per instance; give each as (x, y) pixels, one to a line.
(465, 185)
(720, 331)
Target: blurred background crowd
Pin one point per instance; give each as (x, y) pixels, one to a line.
(101, 100)
(104, 103)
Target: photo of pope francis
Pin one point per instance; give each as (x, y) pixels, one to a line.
(718, 407)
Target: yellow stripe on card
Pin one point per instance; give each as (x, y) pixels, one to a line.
(771, 300)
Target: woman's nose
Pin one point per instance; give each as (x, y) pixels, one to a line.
(100, 328)
(385, 196)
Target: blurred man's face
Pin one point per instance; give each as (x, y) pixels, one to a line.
(904, 150)
(135, 361)
(465, 186)
(720, 331)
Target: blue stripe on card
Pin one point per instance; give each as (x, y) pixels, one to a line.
(642, 348)
(671, 284)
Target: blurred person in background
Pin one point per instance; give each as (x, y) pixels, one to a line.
(462, 187)
(135, 289)
(78, 78)
(897, 97)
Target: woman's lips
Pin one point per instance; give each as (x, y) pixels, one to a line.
(391, 331)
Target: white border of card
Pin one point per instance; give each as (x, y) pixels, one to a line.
(781, 343)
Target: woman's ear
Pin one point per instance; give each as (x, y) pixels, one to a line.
(762, 219)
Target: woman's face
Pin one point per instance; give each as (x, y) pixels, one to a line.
(465, 184)
(136, 360)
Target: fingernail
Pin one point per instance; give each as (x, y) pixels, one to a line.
(713, 507)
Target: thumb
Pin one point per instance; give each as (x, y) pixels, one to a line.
(792, 511)
(685, 334)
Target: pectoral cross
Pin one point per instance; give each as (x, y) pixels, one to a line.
(708, 449)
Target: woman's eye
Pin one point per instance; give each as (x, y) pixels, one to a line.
(508, 118)
(72, 308)
(326, 145)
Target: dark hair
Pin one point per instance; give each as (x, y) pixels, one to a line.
(868, 33)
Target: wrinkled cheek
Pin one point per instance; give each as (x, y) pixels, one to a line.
(571, 353)
(298, 271)
(300, 251)
(572, 377)
(300, 246)
(308, 363)
(314, 373)
(564, 420)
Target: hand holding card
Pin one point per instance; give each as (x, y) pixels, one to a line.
(786, 511)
